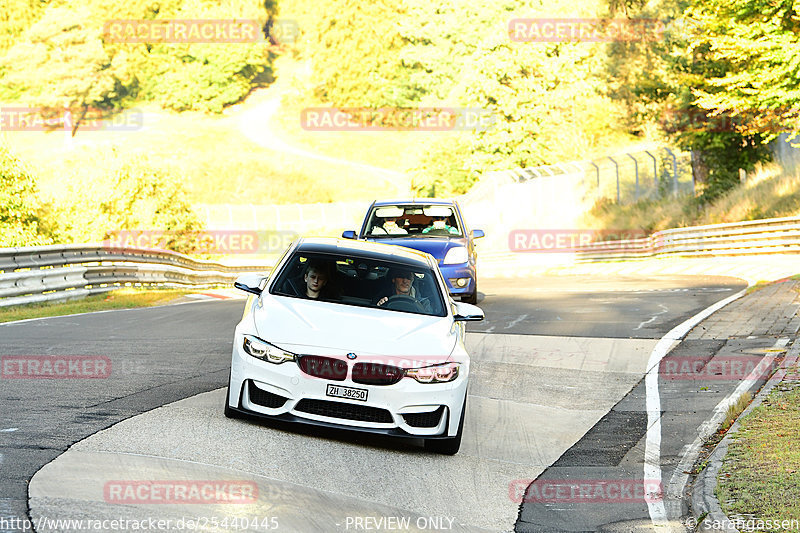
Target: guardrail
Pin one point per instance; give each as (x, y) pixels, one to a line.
(62, 272)
(757, 237)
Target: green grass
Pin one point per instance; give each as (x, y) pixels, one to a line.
(760, 476)
(118, 299)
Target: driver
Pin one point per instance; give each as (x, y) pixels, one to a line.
(402, 285)
(389, 227)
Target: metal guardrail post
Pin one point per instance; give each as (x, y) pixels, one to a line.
(675, 173)
(617, 167)
(636, 171)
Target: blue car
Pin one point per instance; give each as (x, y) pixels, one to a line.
(433, 226)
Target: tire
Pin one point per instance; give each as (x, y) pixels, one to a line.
(471, 298)
(450, 445)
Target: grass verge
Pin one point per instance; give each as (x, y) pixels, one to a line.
(118, 299)
(768, 193)
(760, 476)
(736, 409)
(210, 154)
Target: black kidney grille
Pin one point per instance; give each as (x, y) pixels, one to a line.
(264, 398)
(347, 411)
(424, 420)
(377, 374)
(323, 367)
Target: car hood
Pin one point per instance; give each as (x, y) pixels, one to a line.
(436, 246)
(323, 328)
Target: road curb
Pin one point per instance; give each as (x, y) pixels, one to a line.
(703, 500)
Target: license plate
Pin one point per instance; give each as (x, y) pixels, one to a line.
(350, 393)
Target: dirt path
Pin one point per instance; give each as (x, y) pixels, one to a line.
(256, 124)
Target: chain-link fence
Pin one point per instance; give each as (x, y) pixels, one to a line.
(632, 176)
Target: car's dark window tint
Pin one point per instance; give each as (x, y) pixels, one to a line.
(361, 282)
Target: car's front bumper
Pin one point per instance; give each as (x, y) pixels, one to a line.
(461, 271)
(284, 392)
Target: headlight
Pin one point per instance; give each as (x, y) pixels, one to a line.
(434, 374)
(456, 256)
(265, 351)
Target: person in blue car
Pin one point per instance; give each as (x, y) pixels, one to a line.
(389, 227)
(439, 225)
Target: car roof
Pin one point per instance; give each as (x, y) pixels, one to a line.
(415, 201)
(366, 250)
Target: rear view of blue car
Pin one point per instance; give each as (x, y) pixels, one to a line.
(433, 226)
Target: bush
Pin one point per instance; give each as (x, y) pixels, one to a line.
(147, 198)
(24, 219)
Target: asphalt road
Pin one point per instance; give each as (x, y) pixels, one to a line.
(161, 355)
(157, 356)
(577, 306)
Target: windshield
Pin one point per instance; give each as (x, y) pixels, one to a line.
(360, 282)
(413, 221)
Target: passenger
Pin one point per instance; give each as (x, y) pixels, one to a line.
(316, 277)
(389, 227)
(440, 223)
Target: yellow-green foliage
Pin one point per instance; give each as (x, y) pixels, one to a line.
(63, 58)
(24, 219)
(547, 99)
(126, 192)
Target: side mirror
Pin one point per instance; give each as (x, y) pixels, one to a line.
(349, 234)
(478, 233)
(250, 283)
(467, 312)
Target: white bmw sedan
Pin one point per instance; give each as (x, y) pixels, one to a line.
(354, 335)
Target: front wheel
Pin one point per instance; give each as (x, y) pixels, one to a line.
(450, 445)
(471, 298)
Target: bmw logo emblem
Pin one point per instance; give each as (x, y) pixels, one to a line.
(351, 355)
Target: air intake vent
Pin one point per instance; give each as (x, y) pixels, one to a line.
(346, 411)
(264, 398)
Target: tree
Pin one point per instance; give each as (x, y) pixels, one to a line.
(758, 41)
(62, 65)
(670, 82)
